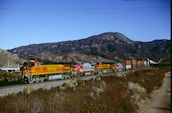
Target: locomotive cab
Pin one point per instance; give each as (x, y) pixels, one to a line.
(31, 64)
(25, 70)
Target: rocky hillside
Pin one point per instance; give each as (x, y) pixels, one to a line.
(69, 57)
(110, 45)
(8, 58)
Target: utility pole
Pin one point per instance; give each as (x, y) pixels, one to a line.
(8, 63)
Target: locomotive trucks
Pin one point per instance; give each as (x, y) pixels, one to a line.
(34, 71)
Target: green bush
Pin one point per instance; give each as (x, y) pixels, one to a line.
(8, 78)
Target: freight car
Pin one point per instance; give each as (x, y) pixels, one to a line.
(35, 72)
(128, 65)
(136, 64)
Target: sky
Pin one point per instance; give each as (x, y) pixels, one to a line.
(24, 22)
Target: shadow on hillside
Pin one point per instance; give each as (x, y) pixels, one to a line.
(163, 108)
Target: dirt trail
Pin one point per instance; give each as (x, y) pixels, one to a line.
(160, 101)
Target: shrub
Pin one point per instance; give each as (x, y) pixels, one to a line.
(136, 91)
(108, 94)
(28, 89)
(2, 78)
(7, 78)
(136, 73)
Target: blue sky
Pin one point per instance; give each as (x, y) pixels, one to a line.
(24, 22)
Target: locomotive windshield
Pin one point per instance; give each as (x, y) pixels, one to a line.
(29, 64)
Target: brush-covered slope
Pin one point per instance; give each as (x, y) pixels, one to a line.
(110, 45)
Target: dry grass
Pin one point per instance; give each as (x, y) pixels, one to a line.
(149, 79)
(91, 96)
(110, 94)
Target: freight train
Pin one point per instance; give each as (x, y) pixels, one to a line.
(33, 71)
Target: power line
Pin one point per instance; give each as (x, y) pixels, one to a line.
(146, 7)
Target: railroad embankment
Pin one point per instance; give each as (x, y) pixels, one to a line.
(110, 93)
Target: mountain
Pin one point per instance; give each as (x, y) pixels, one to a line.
(68, 57)
(159, 41)
(110, 45)
(9, 60)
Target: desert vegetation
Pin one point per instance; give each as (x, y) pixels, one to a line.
(9, 78)
(103, 94)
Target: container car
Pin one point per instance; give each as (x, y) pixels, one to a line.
(33, 71)
(128, 65)
(134, 64)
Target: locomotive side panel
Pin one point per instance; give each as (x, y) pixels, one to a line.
(48, 69)
(103, 67)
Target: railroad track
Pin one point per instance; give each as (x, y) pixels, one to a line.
(5, 90)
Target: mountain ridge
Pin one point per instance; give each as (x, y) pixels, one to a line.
(110, 45)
